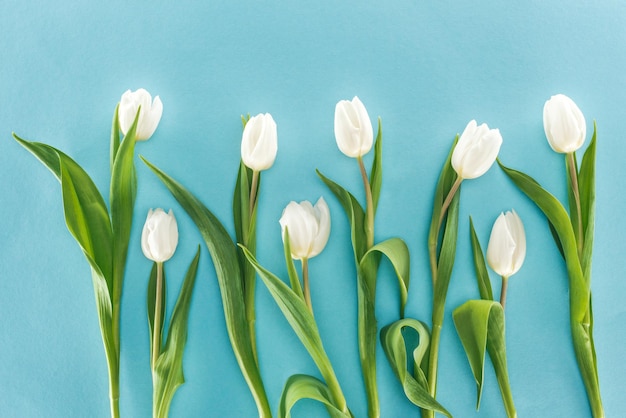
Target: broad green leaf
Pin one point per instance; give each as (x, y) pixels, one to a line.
(355, 214)
(482, 275)
(302, 386)
(168, 374)
(224, 255)
(480, 325)
(294, 280)
(303, 323)
(395, 347)
(397, 252)
(376, 175)
(151, 301)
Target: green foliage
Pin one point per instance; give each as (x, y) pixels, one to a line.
(168, 372)
(300, 386)
(225, 260)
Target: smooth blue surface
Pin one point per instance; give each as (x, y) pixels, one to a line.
(425, 67)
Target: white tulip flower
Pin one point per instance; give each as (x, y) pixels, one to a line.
(160, 235)
(149, 117)
(259, 143)
(564, 124)
(309, 227)
(476, 150)
(353, 128)
(507, 244)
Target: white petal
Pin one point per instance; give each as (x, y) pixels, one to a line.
(322, 215)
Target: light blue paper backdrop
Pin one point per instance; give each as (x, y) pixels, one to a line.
(425, 67)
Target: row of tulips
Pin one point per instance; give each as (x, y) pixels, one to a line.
(103, 234)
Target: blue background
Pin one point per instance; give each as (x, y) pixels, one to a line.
(426, 68)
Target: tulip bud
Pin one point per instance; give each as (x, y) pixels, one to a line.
(309, 227)
(564, 124)
(476, 150)
(149, 117)
(353, 128)
(507, 244)
(259, 143)
(160, 235)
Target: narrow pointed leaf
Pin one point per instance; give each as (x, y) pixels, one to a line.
(376, 175)
(168, 373)
(294, 280)
(303, 323)
(446, 256)
(300, 386)
(397, 252)
(355, 214)
(573, 209)
(482, 275)
(224, 255)
(394, 345)
(586, 185)
(151, 301)
(115, 136)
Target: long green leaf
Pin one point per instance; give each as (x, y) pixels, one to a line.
(115, 136)
(482, 275)
(394, 345)
(446, 257)
(376, 175)
(397, 252)
(355, 214)
(303, 323)
(168, 373)
(225, 261)
(294, 280)
(480, 325)
(150, 303)
(302, 386)
(586, 185)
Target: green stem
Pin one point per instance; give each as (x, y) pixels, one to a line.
(305, 283)
(505, 281)
(114, 391)
(158, 306)
(369, 227)
(253, 190)
(248, 273)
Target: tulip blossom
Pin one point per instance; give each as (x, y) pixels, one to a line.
(476, 150)
(308, 226)
(160, 235)
(564, 124)
(507, 244)
(259, 143)
(149, 116)
(353, 128)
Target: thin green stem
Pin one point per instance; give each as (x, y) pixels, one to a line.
(505, 282)
(158, 306)
(114, 390)
(574, 181)
(369, 227)
(305, 283)
(253, 190)
(434, 359)
(249, 276)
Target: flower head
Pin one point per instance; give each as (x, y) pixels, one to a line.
(160, 235)
(476, 150)
(259, 143)
(308, 226)
(149, 117)
(353, 128)
(507, 244)
(564, 124)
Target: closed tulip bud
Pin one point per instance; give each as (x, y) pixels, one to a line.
(259, 143)
(160, 235)
(353, 128)
(507, 244)
(149, 117)
(564, 124)
(308, 226)
(476, 150)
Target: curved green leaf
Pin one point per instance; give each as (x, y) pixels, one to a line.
(302, 386)
(586, 185)
(168, 374)
(397, 252)
(224, 255)
(480, 325)
(294, 280)
(303, 323)
(482, 275)
(415, 387)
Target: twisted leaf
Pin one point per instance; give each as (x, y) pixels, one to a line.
(302, 386)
